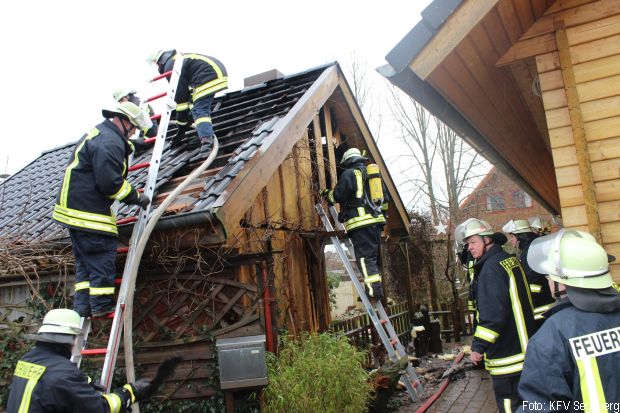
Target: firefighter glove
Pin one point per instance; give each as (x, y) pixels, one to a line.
(144, 201)
(143, 389)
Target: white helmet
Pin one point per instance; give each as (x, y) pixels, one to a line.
(154, 57)
(352, 155)
(572, 258)
(516, 226)
(59, 326)
(121, 93)
(473, 226)
(539, 224)
(132, 113)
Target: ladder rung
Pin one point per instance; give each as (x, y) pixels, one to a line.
(163, 75)
(150, 140)
(139, 166)
(94, 352)
(156, 117)
(415, 384)
(122, 250)
(118, 281)
(157, 96)
(393, 341)
(127, 220)
(384, 321)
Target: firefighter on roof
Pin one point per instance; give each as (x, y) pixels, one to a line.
(572, 364)
(94, 179)
(45, 379)
(201, 77)
(505, 319)
(363, 200)
(521, 236)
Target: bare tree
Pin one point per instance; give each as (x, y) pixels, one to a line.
(362, 83)
(414, 130)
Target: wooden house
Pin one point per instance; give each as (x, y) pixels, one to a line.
(240, 252)
(534, 85)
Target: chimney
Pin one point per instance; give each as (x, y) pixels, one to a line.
(272, 74)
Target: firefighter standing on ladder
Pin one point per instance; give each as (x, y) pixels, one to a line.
(505, 316)
(363, 218)
(45, 379)
(200, 78)
(93, 180)
(572, 362)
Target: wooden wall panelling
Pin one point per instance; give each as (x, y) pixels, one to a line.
(507, 15)
(524, 13)
(329, 136)
(320, 160)
(605, 191)
(561, 137)
(538, 7)
(601, 109)
(304, 182)
(611, 232)
(597, 49)
(599, 89)
(597, 69)
(289, 190)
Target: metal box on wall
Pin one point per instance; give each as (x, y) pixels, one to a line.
(242, 362)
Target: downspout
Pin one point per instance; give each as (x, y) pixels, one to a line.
(267, 307)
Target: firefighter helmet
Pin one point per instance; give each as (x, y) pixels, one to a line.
(473, 226)
(121, 93)
(352, 155)
(516, 226)
(572, 258)
(131, 112)
(59, 326)
(155, 56)
(540, 224)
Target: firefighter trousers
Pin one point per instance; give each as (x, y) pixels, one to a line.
(95, 269)
(506, 394)
(367, 248)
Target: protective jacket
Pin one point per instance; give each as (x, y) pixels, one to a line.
(572, 362)
(539, 287)
(350, 192)
(200, 76)
(505, 318)
(94, 178)
(45, 380)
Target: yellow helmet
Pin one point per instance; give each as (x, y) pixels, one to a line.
(572, 258)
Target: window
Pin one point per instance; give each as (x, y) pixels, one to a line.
(521, 200)
(495, 202)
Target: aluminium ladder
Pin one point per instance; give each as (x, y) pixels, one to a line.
(111, 352)
(381, 322)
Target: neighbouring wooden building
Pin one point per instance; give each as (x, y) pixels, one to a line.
(534, 85)
(241, 246)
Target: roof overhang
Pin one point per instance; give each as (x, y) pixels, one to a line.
(447, 62)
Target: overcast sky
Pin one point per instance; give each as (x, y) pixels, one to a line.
(61, 60)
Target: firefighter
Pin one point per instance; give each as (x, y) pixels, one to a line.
(539, 225)
(201, 77)
(572, 362)
(521, 236)
(363, 219)
(93, 180)
(45, 379)
(505, 319)
(128, 95)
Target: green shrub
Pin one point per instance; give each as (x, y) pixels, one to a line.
(317, 373)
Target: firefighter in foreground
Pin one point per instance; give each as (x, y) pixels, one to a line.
(45, 379)
(572, 364)
(505, 319)
(363, 203)
(93, 180)
(201, 77)
(521, 236)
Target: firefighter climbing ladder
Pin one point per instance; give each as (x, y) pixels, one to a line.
(128, 279)
(381, 322)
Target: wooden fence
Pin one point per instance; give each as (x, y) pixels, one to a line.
(362, 334)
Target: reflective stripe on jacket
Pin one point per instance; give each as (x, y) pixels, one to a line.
(505, 316)
(94, 178)
(46, 381)
(201, 75)
(349, 193)
(539, 286)
(572, 362)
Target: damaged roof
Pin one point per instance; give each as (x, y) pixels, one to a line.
(242, 120)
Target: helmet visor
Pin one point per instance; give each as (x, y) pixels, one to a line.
(539, 251)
